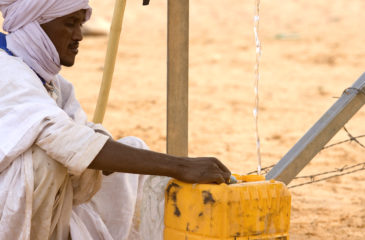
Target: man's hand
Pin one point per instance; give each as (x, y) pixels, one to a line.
(203, 170)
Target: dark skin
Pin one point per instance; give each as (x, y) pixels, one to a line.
(65, 33)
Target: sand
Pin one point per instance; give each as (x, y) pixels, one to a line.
(312, 51)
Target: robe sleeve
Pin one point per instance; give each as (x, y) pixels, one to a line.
(72, 107)
(99, 129)
(28, 115)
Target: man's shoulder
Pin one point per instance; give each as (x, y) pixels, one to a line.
(15, 72)
(13, 65)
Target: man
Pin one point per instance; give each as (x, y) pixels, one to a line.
(50, 156)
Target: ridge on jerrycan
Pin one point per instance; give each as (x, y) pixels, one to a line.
(250, 209)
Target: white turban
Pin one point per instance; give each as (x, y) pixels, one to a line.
(26, 38)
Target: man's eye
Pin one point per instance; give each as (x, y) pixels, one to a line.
(70, 24)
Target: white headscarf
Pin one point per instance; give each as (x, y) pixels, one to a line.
(26, 38)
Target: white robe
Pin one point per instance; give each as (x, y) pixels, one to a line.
(31, 121)
(32, 124)
(114, 213)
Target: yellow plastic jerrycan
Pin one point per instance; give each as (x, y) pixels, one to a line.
(250, 209)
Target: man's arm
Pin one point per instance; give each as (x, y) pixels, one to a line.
(117, 157)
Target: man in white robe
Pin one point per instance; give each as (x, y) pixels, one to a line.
(50, 156)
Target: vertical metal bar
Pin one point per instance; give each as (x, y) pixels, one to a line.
(177, 77)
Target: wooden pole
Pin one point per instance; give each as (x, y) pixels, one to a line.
(321, 132)
(111, 54)
(177, 77)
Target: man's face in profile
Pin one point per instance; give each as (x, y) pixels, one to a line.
(65, 33)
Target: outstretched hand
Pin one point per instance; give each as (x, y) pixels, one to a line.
(203, 170)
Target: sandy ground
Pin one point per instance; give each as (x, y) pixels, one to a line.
(312, 51)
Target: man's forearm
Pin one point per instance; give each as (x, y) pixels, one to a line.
(117, 157)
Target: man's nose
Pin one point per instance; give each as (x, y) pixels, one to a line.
(77, 34)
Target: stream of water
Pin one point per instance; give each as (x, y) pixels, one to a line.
(256, 83)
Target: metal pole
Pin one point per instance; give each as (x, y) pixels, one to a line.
(321, 132)
(177, 77)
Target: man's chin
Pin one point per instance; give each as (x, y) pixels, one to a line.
(67, 63)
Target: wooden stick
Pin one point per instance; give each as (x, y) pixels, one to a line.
(111, 54)
(321, 132)
(177, 77)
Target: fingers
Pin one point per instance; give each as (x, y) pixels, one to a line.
(220, 179)
(206, 170)
(216, 178)
(226, 177)
(220, 176)
(225, 173)
(223, 167)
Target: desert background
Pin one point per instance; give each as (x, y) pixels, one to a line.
(311, 51)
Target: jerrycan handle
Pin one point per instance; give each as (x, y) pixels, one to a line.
(249, 178)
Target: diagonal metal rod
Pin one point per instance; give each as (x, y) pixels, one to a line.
(317, 137)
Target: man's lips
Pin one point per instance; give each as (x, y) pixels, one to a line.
(74, 47)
